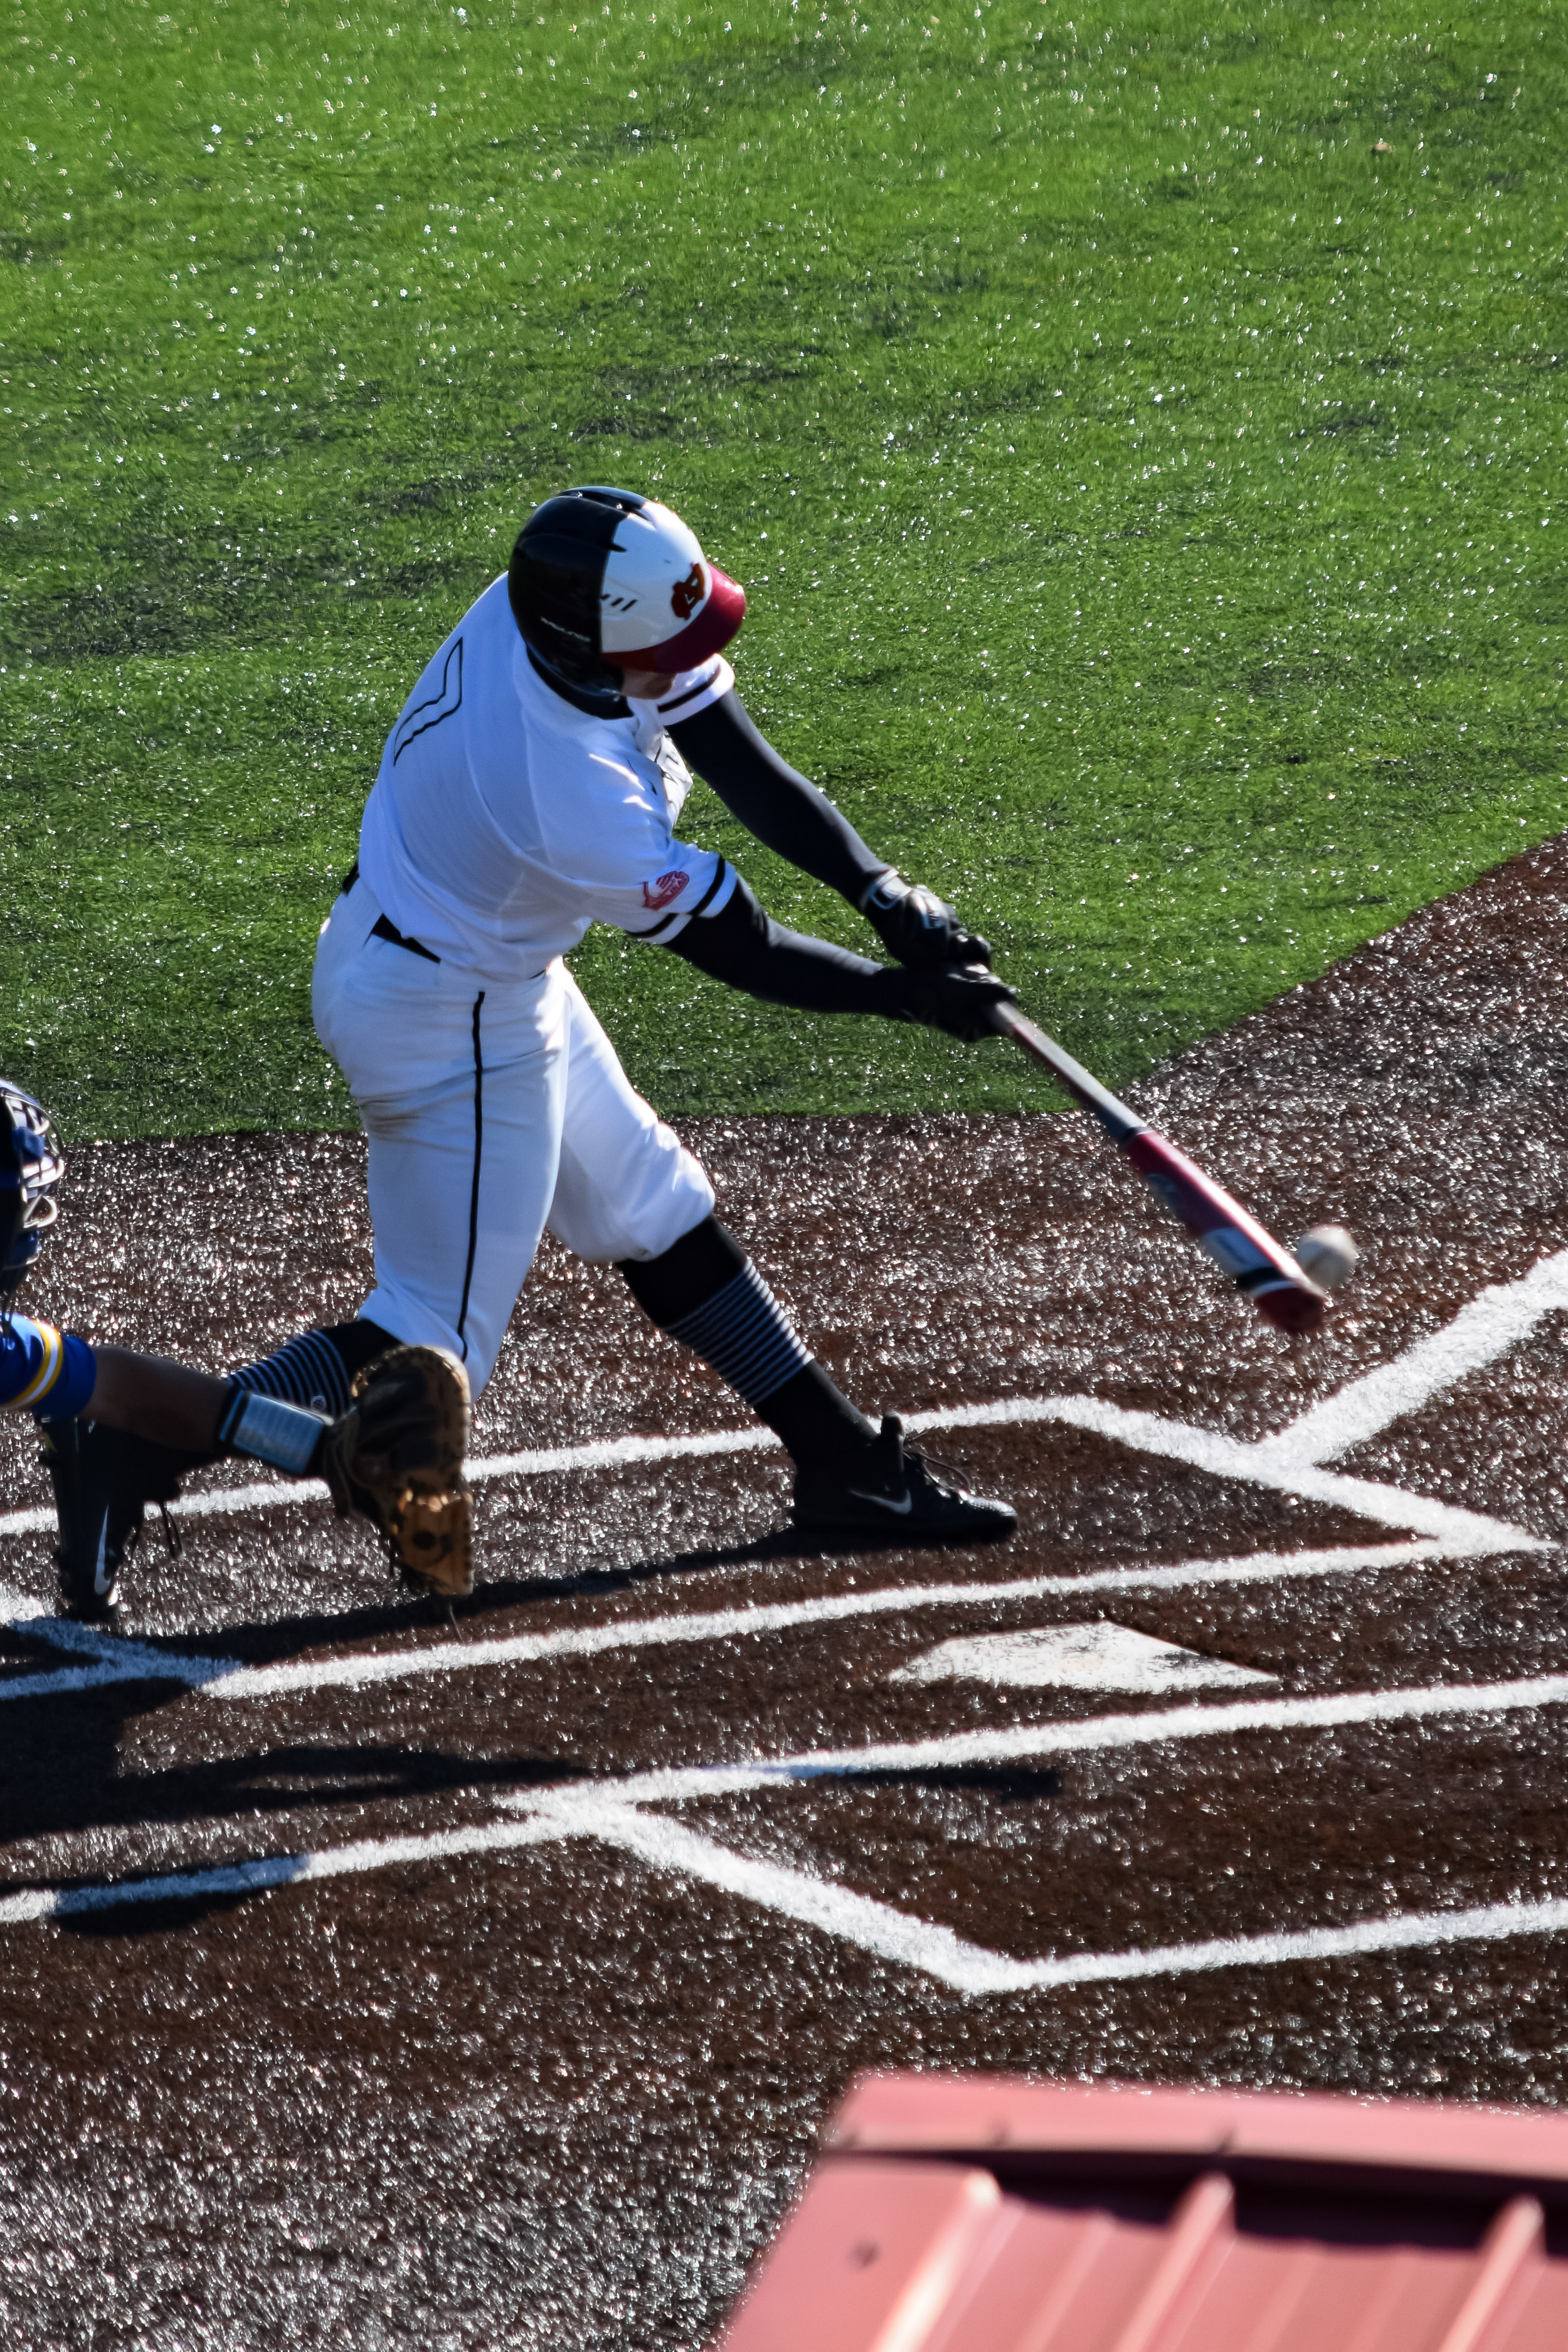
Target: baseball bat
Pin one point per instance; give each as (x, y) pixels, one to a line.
(1221, 1227)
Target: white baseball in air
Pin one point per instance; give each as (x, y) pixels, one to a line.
(1328, 1255)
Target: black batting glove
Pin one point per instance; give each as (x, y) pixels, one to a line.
(957, 997)
(918, 927)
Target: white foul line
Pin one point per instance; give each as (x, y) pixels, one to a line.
(1085, 1735)
(254, 1876)
(1498, 1319)
(1470, 1532)
(217, 1502)
(1399, 1931)
(859, 1919)
(599, 1453)
(727, 1625)
(965, 1968)
(614, 1816)
(1335, 1710)
(115, 1660)
(110, 1657)
(1090, 1735)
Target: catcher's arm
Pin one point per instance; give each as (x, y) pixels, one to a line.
(154, 1398)
(42, 1370)
(56, 1376)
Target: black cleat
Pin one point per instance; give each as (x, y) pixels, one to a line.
(901, 1493)
(82, 1461)
(103, 1481)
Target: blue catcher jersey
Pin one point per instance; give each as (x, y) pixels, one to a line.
(53, 1371)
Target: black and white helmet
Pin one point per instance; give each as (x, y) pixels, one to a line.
(604, 581)
(30, 1167)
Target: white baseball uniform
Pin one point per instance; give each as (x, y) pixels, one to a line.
(503, 822)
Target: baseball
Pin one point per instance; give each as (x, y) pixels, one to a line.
(1327, 1255)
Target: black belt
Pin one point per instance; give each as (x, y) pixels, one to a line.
(384, 927)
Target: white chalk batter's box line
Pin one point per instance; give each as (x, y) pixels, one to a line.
(1290, 1462)
(113, 1658)
(621, 1816)
(1482, 1331)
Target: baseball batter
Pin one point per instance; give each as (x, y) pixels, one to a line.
(532, 787)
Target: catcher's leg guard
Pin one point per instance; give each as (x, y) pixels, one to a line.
(396, 1458)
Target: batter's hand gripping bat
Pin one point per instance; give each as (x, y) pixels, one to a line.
(1221, 1227)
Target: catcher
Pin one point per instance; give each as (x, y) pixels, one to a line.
(108, 1415)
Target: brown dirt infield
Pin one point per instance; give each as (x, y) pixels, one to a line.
(554, 2095)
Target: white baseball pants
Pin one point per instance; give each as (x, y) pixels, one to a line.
(493, 1109)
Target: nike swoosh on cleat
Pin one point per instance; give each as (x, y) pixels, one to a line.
(900, 1509)
(102, 1581)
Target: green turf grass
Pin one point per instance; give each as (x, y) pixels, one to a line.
(1137, 434)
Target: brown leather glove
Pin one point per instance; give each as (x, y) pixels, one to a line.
(396, 1458)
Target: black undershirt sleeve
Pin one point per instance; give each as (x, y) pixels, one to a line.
(784, 810)
(744, 947)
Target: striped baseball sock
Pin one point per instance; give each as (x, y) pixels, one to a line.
(705, 1292)
(743, 1332)
(316, 1368)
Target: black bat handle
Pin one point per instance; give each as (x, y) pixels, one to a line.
(1113, 1115)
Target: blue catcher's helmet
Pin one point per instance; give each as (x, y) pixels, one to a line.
(30, 1167)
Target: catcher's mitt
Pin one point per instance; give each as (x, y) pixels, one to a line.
(396, 1457)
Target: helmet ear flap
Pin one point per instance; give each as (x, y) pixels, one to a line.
(31, 1166)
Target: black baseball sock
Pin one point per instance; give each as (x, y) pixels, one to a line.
(826, 1434)
(704, 1291)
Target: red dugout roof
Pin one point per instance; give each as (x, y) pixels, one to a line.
(985, 2215)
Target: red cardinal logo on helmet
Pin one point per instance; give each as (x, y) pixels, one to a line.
(688, 593)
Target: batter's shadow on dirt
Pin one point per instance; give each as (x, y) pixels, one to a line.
(781, 1545)
(279, 1641)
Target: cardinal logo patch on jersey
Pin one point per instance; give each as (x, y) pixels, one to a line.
(688, 593)
(657, 895)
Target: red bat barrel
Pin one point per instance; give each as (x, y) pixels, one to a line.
(1253, 1260)
(1221, 1227)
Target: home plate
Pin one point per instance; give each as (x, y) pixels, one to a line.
(1104, 1656)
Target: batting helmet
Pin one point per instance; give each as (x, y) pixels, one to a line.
(30, 1167)
(603, 581)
